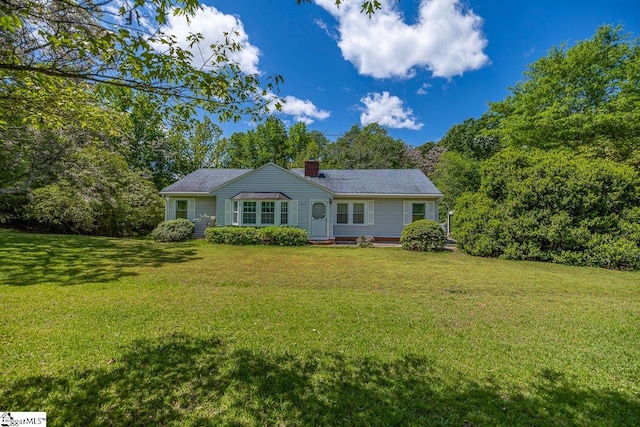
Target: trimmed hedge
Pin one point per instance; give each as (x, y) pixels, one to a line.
(423, 235)
(175, 230)
(272, 235)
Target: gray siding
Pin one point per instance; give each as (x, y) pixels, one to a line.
(200, 209)
(271, 178)
(388, 219)
(205, 208)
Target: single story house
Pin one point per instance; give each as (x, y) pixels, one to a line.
(333, 205)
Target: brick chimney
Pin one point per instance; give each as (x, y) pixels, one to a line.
(311, 168)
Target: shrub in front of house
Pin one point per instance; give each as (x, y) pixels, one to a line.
(272, 235)
(423, 235)
(285, 236)
(365, 242)
(232, 235)
(175, 230)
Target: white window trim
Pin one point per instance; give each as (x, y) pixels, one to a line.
(368, 212)
(407, 210)
(171, 205)
(279, 212)
(277, 219)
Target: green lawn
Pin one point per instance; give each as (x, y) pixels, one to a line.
(129, 332)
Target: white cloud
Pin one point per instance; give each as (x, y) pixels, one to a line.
(424, 89)
(446, 39)
(302, 110)
(387, 110)
(213, 24)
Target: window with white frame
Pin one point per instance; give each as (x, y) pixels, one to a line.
(342, 212)
(235, 212)
(358, 213)
(284, 213)
(354, 212)
(249, 212)
(261, 212)
(414, 210)
(268, 213)
(418, 211)
(182, 209)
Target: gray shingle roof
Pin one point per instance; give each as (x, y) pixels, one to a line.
(374, 181)
(362, 181)
(203, 180)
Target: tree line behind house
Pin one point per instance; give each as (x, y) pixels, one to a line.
(92, 127)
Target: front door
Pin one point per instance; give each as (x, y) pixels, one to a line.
(318, 219)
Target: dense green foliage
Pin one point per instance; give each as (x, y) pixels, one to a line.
(272, 142)
(96, 194)
(83, 111)
(455, 174)
(574, 202)
(470, 138)
(76, 41)
(552, 206)
(423, 235)
(173, 230)
(272, 235)
(585, 98)
(368, 147)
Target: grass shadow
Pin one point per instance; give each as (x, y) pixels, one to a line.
(29, 259)
(180, 380)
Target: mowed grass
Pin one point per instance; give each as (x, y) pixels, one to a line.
(99, 331)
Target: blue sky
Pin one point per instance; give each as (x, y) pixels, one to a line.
(416, 67)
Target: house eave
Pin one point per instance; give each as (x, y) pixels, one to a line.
(387, 196)
(185, 193)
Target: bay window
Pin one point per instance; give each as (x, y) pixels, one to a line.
(249, 213)
(261, 212)
(267, 213)
(284, 213)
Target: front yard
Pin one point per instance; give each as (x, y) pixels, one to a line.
(132, 332)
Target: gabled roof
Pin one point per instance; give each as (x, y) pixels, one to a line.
(374, 181)
(267, 165)
(339, 182)
(203, 180)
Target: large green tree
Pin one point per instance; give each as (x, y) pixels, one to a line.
(368, 147)
(272, 142)
(585, 98)
(121, 44)
(454, 175)
(43, 127)
(146, 144)
(470, 138)
(195, 144)
(97, 193)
